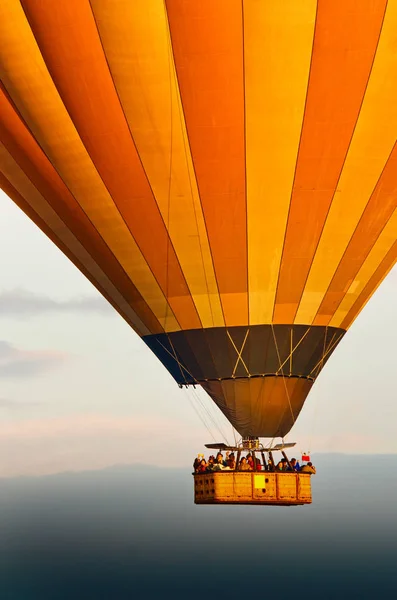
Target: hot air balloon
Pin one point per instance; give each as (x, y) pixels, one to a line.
(224, 173)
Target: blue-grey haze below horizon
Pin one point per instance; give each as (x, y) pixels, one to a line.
(133, 532)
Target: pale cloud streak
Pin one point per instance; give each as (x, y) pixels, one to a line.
(85, 424)
(7, 404)
(18, 363)
(95, 441)
(22, 303)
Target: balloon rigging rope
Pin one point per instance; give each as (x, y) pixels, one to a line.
(218, 425)
(316, 403)
(331, 346)
(292, 350)
(212, 419)
(214, 410)
(183, 369)
(201, 417)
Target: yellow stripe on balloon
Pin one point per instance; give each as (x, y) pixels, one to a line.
(278, 38)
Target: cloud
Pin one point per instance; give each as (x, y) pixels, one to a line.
(86, 425)
(15, 362)
(8, 404)
(21, 303)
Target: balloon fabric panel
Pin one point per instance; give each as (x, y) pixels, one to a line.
(224, 174)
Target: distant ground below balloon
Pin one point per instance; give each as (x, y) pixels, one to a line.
(134, 532)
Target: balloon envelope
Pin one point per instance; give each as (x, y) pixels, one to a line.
(225, 174)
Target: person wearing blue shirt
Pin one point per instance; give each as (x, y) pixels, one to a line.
(294, 464)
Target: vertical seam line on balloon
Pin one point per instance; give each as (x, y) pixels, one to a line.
(84, 213)
(296, 161)
(343, 163)
(94, 166)
(354, 232)
(169, 241)
(193, 162)
(245, 162)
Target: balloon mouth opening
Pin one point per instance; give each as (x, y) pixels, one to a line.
(260, 407)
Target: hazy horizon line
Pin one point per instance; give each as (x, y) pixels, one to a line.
(141, 465)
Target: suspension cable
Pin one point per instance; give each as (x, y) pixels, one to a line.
(201, 417)
(321, 362)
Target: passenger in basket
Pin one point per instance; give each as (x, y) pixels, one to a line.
(220, 463)
(270, 466)
(250, 461)
(211, 463)
(244, 466)
(202, 467)
(282, 465)
(231, 463)
(258, 464)
(197, 462)
(294, 464)
(308, 469)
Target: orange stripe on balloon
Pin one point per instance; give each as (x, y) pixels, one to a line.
(69, 42)
(207, 40)
(345, 43)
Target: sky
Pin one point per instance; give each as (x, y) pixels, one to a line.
(79, 390)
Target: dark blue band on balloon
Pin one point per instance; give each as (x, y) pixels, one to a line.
(219, 353)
